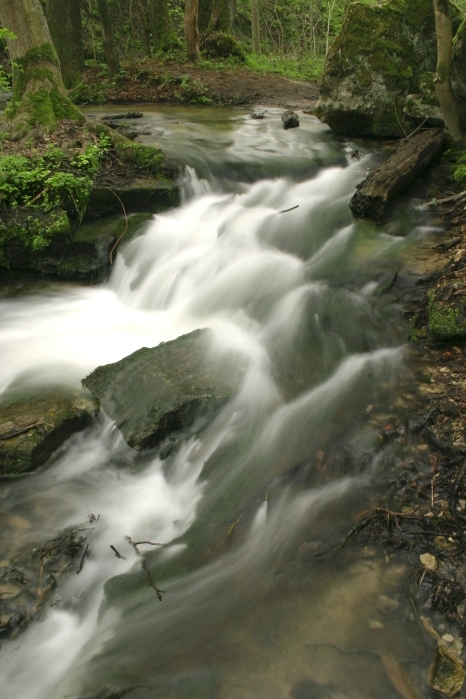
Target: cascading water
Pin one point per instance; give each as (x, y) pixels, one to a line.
(244, 500)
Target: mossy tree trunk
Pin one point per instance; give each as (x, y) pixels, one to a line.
(64, 22)
(110, 52)
(256, 38)
(442, 80)
(163, 33)
(39, 96)
(191, 29)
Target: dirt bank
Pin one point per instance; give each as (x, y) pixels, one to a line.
(172, 83)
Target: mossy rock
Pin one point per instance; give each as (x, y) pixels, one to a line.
(157, 391)
(31, 429)
(222, 45)
(444, 319)
(375, 62)
(446, 674)
(145, 194)
(85, 256)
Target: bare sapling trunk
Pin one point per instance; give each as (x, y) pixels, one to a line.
(256, 38)
(191, 29)
(442, 81)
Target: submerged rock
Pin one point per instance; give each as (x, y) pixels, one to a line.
(384, 54)
(32, 429)
(160, 390)
(447, 673)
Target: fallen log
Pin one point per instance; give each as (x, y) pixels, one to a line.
(393, 178)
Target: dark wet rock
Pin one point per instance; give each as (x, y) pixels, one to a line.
(393, 178)
(29, 578)
(378, 77)
(82, 256)
(290, 119)
(144, 194)
(31, 430)
(160, 390)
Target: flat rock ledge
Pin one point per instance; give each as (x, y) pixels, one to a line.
(157, 391)
(32, 429)
(393, 178)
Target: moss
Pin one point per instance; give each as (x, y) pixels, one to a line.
(443, 320)
(47, 104)
(146, 158)
(222, 45)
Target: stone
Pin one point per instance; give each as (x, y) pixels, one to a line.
(393, 177)
(31, 429)
(446, 673)
(384, 54)
(290, 119)
(82, 256)
(157, 391)
(144, 194)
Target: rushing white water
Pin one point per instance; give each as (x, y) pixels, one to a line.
(282, 295)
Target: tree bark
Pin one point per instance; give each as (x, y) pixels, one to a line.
(191, 29)
(442, 82)
(256, 39)
(163, 33)
(222, 16)
(39, 96)
(110, 53)
(64, 21)
(205, 13)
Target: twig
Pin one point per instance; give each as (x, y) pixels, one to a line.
(447, 200)
(285, 211)
(117, 553)
(19, 430)
(81, 562)
(150, 582)
(126, 227)
(149, 543)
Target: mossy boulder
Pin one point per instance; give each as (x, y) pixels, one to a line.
(447, 673)
(31, 429)
(157, 391)
(222, 45)
(143, 194)
(81, 256)
(374, 64)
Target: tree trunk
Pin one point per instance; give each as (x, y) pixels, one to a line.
(205, 13)
(191, 30)
(222, 16)
(110, 53)
(39, 96)
(163, 33)
(256, 38)
(64, 21)
(442, 82)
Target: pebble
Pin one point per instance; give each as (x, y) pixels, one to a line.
(374, 624)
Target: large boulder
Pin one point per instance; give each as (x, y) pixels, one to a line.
(378, 78)
(157, 391)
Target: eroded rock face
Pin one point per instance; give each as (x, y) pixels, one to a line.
(157, 391)
(384, 54)
(32, 429)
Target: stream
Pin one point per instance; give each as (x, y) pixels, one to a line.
(259, 601)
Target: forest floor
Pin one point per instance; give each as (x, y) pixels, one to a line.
(174, 83)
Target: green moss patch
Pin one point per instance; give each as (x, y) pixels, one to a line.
(444, 319)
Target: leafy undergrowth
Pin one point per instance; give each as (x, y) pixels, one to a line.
(45, 183)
